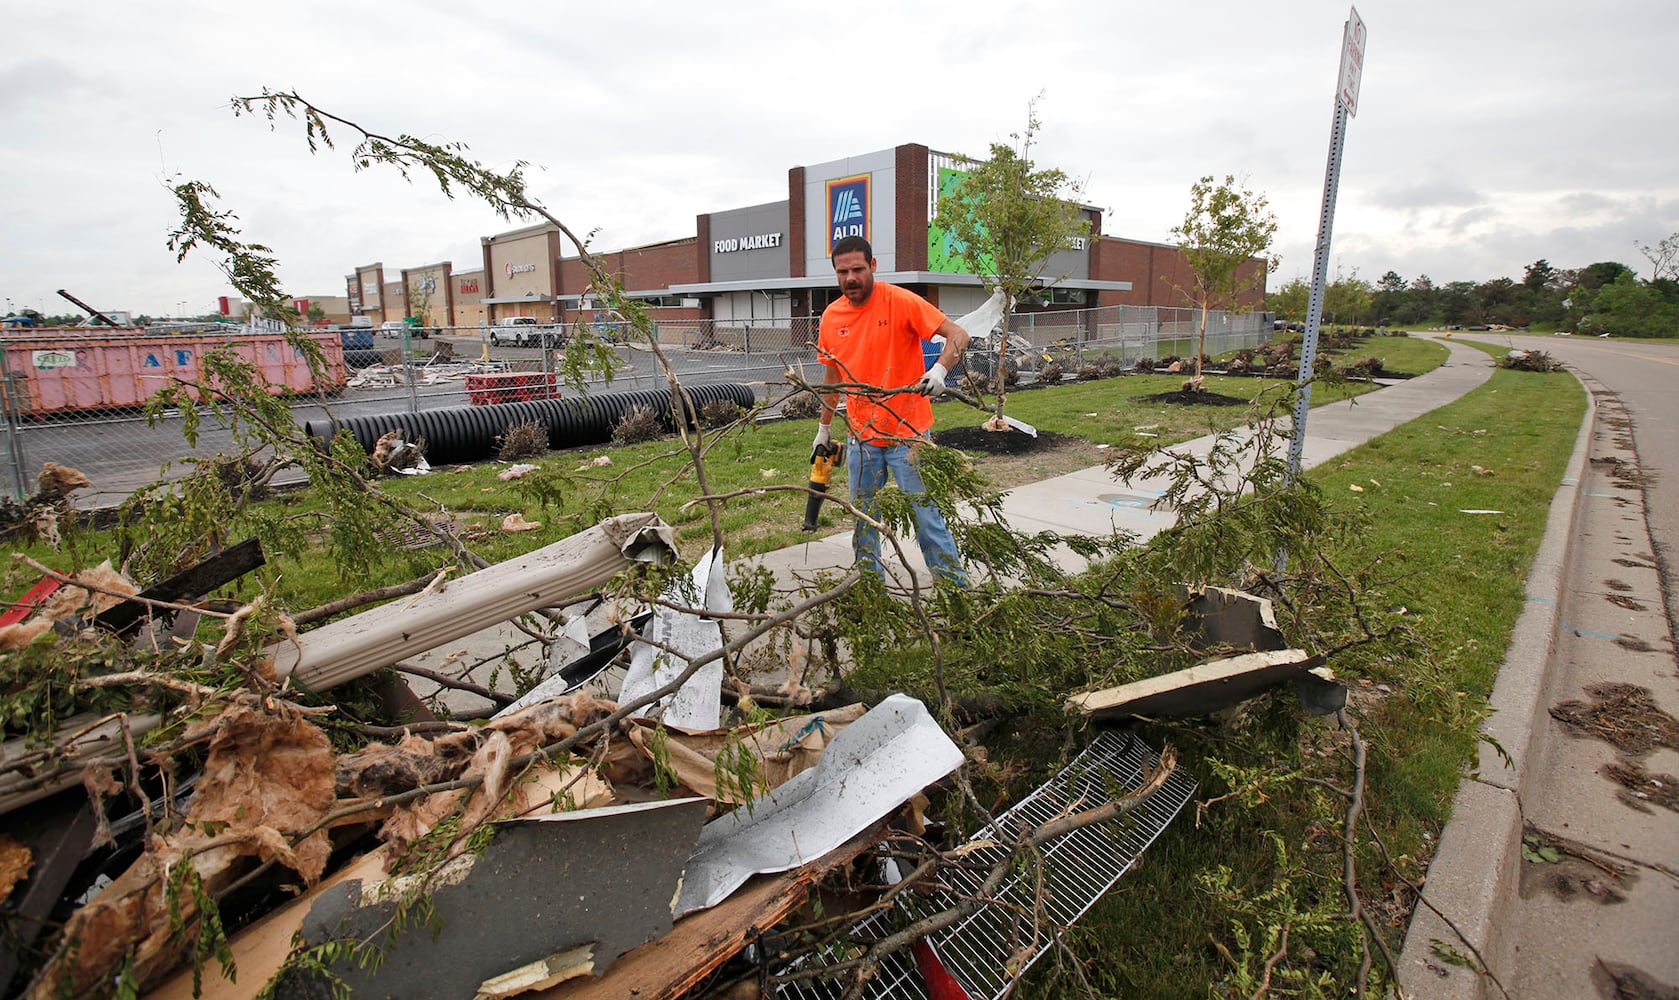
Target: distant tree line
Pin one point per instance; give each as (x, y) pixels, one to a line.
(1605, 297)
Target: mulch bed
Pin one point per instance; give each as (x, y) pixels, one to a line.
(1185, 398)
(981, 441)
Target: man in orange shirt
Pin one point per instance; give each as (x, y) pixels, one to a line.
(872, 336)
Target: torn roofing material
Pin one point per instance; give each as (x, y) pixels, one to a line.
(874, 766)
(674, 640)
(600, 879)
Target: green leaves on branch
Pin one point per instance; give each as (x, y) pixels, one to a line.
(445, 162)
(1005, 219)
(1225, 228)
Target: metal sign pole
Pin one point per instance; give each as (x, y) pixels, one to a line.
(1314, 303)
(1346, 105)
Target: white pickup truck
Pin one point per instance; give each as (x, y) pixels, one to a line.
(526, 331)
(399, 329)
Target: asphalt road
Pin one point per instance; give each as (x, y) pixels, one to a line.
(1645, 377)
(1598, 917)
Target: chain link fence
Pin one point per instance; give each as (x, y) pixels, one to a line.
(78, 397)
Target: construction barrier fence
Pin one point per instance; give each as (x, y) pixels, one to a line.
(78, 397)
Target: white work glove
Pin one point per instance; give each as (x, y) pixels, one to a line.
(823, 436)
(932, 383)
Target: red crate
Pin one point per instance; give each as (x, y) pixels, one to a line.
(511, 387)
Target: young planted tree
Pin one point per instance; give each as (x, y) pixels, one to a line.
(1007, 219)
(1224, 238)
(1289, 302)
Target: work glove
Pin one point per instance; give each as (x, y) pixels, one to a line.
(823, 436)
(932, 383)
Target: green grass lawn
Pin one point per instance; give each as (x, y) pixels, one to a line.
(1460, 578)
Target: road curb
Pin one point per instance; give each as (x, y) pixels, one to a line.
(1476, 869)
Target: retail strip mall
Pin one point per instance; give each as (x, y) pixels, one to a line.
(766, 262)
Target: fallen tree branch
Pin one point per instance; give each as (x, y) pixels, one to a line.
(1368, 929)
(321, 612)
(202, 691)
(500, 700)
(1270, 964)
(1416, 890)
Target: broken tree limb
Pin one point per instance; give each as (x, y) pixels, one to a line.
(495, 698)
(353, 647)
(1110, 810)
(321, 612)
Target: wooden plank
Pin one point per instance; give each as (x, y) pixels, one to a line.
(1199, 690)
(195, 581)
(700, 942)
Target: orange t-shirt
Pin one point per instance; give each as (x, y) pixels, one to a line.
(880, 344)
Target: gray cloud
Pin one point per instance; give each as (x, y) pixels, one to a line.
(637, 115)
(1437, 192)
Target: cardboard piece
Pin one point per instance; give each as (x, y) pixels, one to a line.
(1221, 617)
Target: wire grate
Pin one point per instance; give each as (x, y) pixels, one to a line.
(992, 947)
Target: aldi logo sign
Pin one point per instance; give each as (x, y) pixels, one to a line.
(848, 209)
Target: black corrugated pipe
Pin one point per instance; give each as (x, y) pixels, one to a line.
(469, 433)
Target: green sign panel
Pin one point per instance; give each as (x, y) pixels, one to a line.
(943, 248)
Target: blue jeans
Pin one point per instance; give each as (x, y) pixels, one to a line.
(869, 465)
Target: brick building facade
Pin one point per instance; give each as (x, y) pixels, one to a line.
(770, 261)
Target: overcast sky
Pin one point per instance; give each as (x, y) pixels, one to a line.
(1488, 134)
